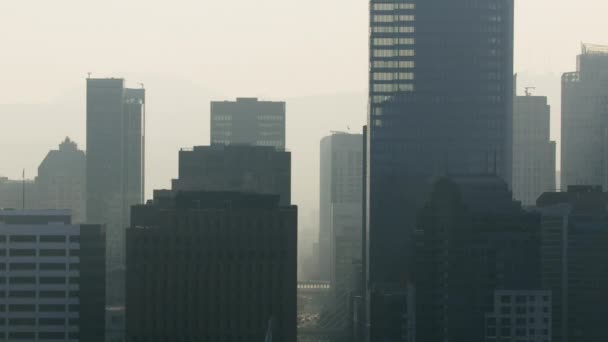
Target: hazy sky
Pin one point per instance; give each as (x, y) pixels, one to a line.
(189, 51)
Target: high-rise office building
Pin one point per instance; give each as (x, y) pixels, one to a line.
(253, 169)
(340, 218)
(18, 194)
(472, 240)
(52, 284)
(585, 120)
(248, 121)
(209, 266)
(574, 259)
(533, 150)
(115, 165)
(61, 181)
(340, 183)
(440, 102)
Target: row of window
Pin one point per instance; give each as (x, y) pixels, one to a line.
(392, 41)
(393, 64)
(41, 307)
(13, 252)
(31, 336)
(391, 7)
(41, 321)
(392, 76)
(492, 321)
(387, 53)
(41, 238)
(270, 118)
(392, 87)
(46, 294)
(22, 266)
(522, 299)
(385, 18)
(40, 280)
(393, 29)
(508, 332)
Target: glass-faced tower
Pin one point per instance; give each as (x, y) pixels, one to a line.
(440, 103)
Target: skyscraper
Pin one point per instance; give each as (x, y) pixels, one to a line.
(212, 266)
(53, 277)
(440, 95)
(533, 150)
(340, 185)
(585, 120)
(340, 219)
(61, 181)
(115, 164)
(248, 121)
(574, 259)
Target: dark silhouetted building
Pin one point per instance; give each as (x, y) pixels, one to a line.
(440, 102)
(248, 121)
(533, 150)
(255, 169)
(53, 277)
(208, 266)
(115, 166)
(585, 120)
(472, 240)
(61, 181)
(574, 259)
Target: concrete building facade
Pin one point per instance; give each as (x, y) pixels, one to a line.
(52, 284)
(248, 121)
(585, 120)
(254, 169)
(520, 316)
(534, 154)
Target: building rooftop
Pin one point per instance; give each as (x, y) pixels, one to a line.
(595, 49)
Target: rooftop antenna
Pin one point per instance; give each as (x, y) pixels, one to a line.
(529, 90)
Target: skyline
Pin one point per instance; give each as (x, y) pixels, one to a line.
(52, 91)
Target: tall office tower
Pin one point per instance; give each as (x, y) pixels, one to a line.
(585, 120)
(61, 181)
(472, 240)
(340, 215)
(533, 150)
(18, 194)
(115, 165)
(248, 121)
(440, 102)
(52, 283)
(340, 184)
(209, 266)
(254, 169)
(574, 259)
